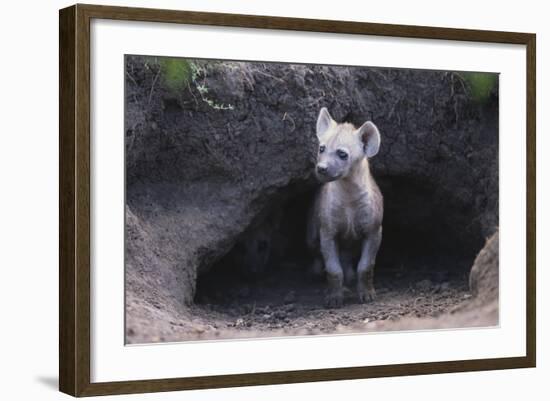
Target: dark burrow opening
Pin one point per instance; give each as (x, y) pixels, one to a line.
(429, 242)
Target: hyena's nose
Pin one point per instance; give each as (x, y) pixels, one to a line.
(322, 169)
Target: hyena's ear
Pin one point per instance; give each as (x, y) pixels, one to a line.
(370, 137)
(324, 121)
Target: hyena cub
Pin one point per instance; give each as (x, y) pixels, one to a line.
(345, 226)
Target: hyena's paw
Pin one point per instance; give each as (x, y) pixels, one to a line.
(366, 295)
(334, 299)
(365, 286)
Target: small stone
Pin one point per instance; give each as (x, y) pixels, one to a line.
(247, 308)
(290, 307)
(424, 285)
(290, 298)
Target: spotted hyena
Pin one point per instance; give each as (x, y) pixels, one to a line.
(345, 226)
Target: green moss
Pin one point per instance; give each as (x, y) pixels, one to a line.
(176, 72)
(480, 84)
(180, 74)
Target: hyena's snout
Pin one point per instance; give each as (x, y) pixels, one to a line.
(323, 172)
(326, 172)
(322, 169)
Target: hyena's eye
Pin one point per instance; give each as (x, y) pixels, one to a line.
(342, 154)
(322, 148)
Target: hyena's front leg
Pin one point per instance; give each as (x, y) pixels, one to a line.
(335, 276)
(365, 268)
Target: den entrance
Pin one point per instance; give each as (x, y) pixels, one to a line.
(265, 283)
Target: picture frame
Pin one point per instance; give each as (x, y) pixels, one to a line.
(75, 199)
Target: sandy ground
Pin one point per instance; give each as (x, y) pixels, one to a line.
(290, 303)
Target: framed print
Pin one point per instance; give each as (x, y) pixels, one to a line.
(250, 200)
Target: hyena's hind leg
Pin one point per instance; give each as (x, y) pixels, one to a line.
(365, 268)
(347, 262)
(317, 267)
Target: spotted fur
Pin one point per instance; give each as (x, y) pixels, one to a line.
(345, 225)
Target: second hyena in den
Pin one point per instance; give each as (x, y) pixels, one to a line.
(345, 226)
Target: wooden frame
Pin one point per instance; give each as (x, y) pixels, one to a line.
(74, 199)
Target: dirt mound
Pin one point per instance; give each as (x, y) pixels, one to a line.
(484, 277)
(213, 163)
